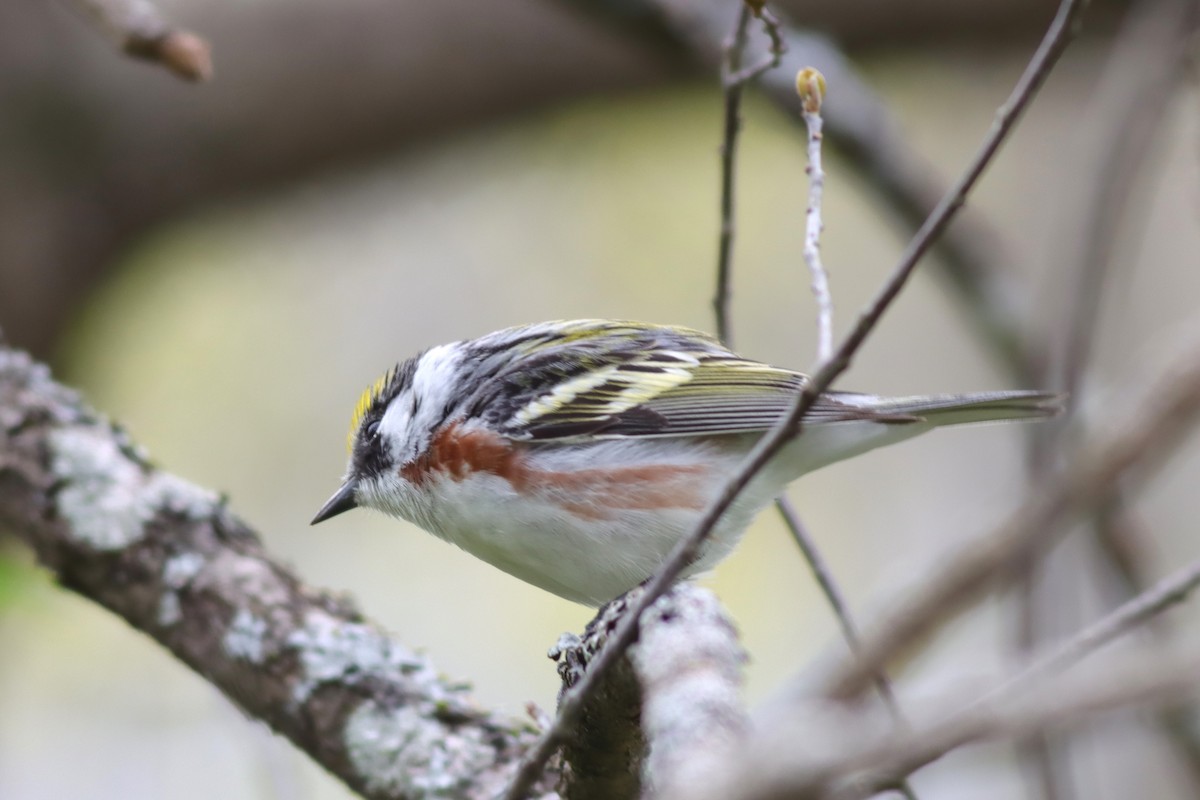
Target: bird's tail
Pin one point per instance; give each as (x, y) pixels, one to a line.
(960, 409)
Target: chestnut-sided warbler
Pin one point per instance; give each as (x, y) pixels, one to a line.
(574, 455)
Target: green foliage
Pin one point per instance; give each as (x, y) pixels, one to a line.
(15, 578)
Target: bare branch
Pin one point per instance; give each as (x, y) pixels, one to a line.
(1151, 434)
(810, 85)
(689, 663)
(1132, 97)
(730, 64)
(1168, 592)
(856, 757)
(170, 559)
(732, 126)
(733, 80)
(1115, 145)
(606, 755)
(841, 610)
(141, 31)
(970, 255)
(672, 708)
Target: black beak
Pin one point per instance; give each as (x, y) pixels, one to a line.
(342, 500)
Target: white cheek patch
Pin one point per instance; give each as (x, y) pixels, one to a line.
(406, 433)
(394, 426)
(436, 372)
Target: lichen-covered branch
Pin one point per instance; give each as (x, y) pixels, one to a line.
(665, 714)
(689, 663)
(174, 562)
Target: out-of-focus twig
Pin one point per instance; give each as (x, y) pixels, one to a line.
(733, 81)
(1132, 97)
(1123, 540)
(1154, 431)
(1116, 144)
(1168, 592)
(141, 31)
(857, 757)
(841, 609)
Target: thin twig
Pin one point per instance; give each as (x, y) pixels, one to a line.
(855, 761)
(1051, 47)
(970, 256)
(730, 130)
(810, 85)
(775, 51)
(1133, 95)
(808, 547)
(141, 31)
(1168, 592)
(733, 81)
(732, 126)
(841, 610)
(1131, 98)
(1154, 431)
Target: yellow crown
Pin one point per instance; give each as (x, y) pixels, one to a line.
(365, 401)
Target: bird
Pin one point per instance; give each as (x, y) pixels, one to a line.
(575, 454)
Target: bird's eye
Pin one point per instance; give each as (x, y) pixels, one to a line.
(372, 429)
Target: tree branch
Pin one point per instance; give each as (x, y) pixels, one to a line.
(141, 31)
(667, 712)
(170, 559)
(856, 755)
(1168, 592)
(1153, 432)
(1115, 145)
(969, 254)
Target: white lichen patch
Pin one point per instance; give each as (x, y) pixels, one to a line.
(179, 569)
(106, 498)
(169, 609)
(175, 495)
(177, 572)
(245, 637)
(331, 649)
(102, 498)
(400, 752)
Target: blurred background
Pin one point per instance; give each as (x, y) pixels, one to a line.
(223, 267)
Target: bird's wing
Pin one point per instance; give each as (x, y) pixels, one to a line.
(645, 381)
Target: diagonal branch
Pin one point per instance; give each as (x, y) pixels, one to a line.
(858, 757)
(1168, 592)
(170, 559)
(1128, 107)
(1154, 431)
